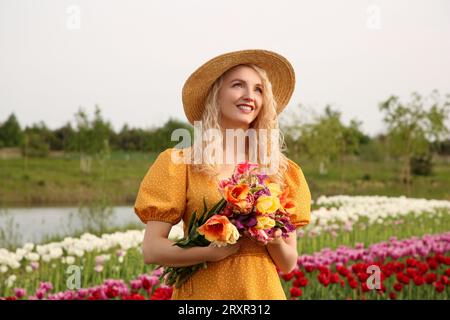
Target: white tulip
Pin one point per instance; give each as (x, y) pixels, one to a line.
(70, 260)
(32, 256)
(56, 253)
(10, 281)
(28, 246)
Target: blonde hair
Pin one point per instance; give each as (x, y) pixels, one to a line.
(266, 119)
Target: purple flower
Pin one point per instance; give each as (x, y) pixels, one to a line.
(20, 292)
(40, 293)
(46, 286)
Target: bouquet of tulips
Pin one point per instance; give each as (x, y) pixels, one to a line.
(250, 207)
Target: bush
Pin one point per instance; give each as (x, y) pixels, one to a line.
(34, 145)
(421, 165)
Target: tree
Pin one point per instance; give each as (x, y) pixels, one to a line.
(91, 138)
(62, 137)
(324, 137)
(34, 145)
(161, 137)
(412, 127)
(11, 134)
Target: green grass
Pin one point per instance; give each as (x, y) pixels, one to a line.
(59, 180)
(355, 177)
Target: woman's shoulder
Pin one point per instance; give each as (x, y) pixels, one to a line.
(174, 156)
(292, 166)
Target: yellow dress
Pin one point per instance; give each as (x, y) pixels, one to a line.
(170, 192)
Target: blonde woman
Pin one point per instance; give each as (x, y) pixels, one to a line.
(237, 91)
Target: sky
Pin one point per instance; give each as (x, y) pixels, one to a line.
(132, 57)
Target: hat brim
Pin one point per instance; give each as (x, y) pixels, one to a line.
(279, 70)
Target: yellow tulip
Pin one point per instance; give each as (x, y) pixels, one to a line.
(267, 204)
(275, 189)
(264, 222)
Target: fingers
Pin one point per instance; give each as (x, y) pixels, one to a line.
(278, 233)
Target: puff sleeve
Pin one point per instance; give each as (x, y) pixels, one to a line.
(162, 192)
(299, 193)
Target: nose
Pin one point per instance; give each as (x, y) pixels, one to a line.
(248, 96)
(247, 99)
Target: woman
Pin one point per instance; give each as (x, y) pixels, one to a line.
(237, 90)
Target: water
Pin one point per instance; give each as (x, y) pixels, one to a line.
(37, 224)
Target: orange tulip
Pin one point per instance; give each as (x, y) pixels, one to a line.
(289, 207)
(284, 196)
(218, 229)
(237, 194)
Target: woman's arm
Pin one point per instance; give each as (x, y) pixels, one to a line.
(158, 249)
(284, 251)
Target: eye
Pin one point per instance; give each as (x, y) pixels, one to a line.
(260, 90)
(237, 84)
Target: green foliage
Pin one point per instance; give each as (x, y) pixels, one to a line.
(62, 138)
(34, 145)
(412, 126)
(11, 134)
(92, 136)
(325, 138)
(422, 164)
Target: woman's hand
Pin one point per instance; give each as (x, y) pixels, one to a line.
(215, 254)
(277, 238)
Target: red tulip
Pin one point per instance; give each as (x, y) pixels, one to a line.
(288, 276)
(439, 287)
(301, 282)
(447, 261)
(398, 287)
(364, 287)
(447, 272)
(134, 296)
(353, 284)
(323, 279)
(430, 278)
(334, 278)
(296, 292)
(393, 295)
(411, 272)
(343, 271)
(440, 258)
(362, 276)
(299, 274)
(410, 262)
(422, 267)
(162, 293)
(433, 264)
(309, 268)
(399, 266)
(418, 280)
(402, 278)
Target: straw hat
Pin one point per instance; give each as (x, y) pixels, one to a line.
(279, 70)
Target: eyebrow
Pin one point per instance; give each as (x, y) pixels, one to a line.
(237, 79)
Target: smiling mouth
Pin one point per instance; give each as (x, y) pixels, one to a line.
(245, 107)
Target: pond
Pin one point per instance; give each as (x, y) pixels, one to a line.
(21, 225)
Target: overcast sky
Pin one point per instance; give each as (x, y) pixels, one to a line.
(132, 57)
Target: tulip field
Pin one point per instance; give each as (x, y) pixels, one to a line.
(403, 244)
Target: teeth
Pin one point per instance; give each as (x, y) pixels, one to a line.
(245, 108)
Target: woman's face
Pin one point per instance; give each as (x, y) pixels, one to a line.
(240, 97)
